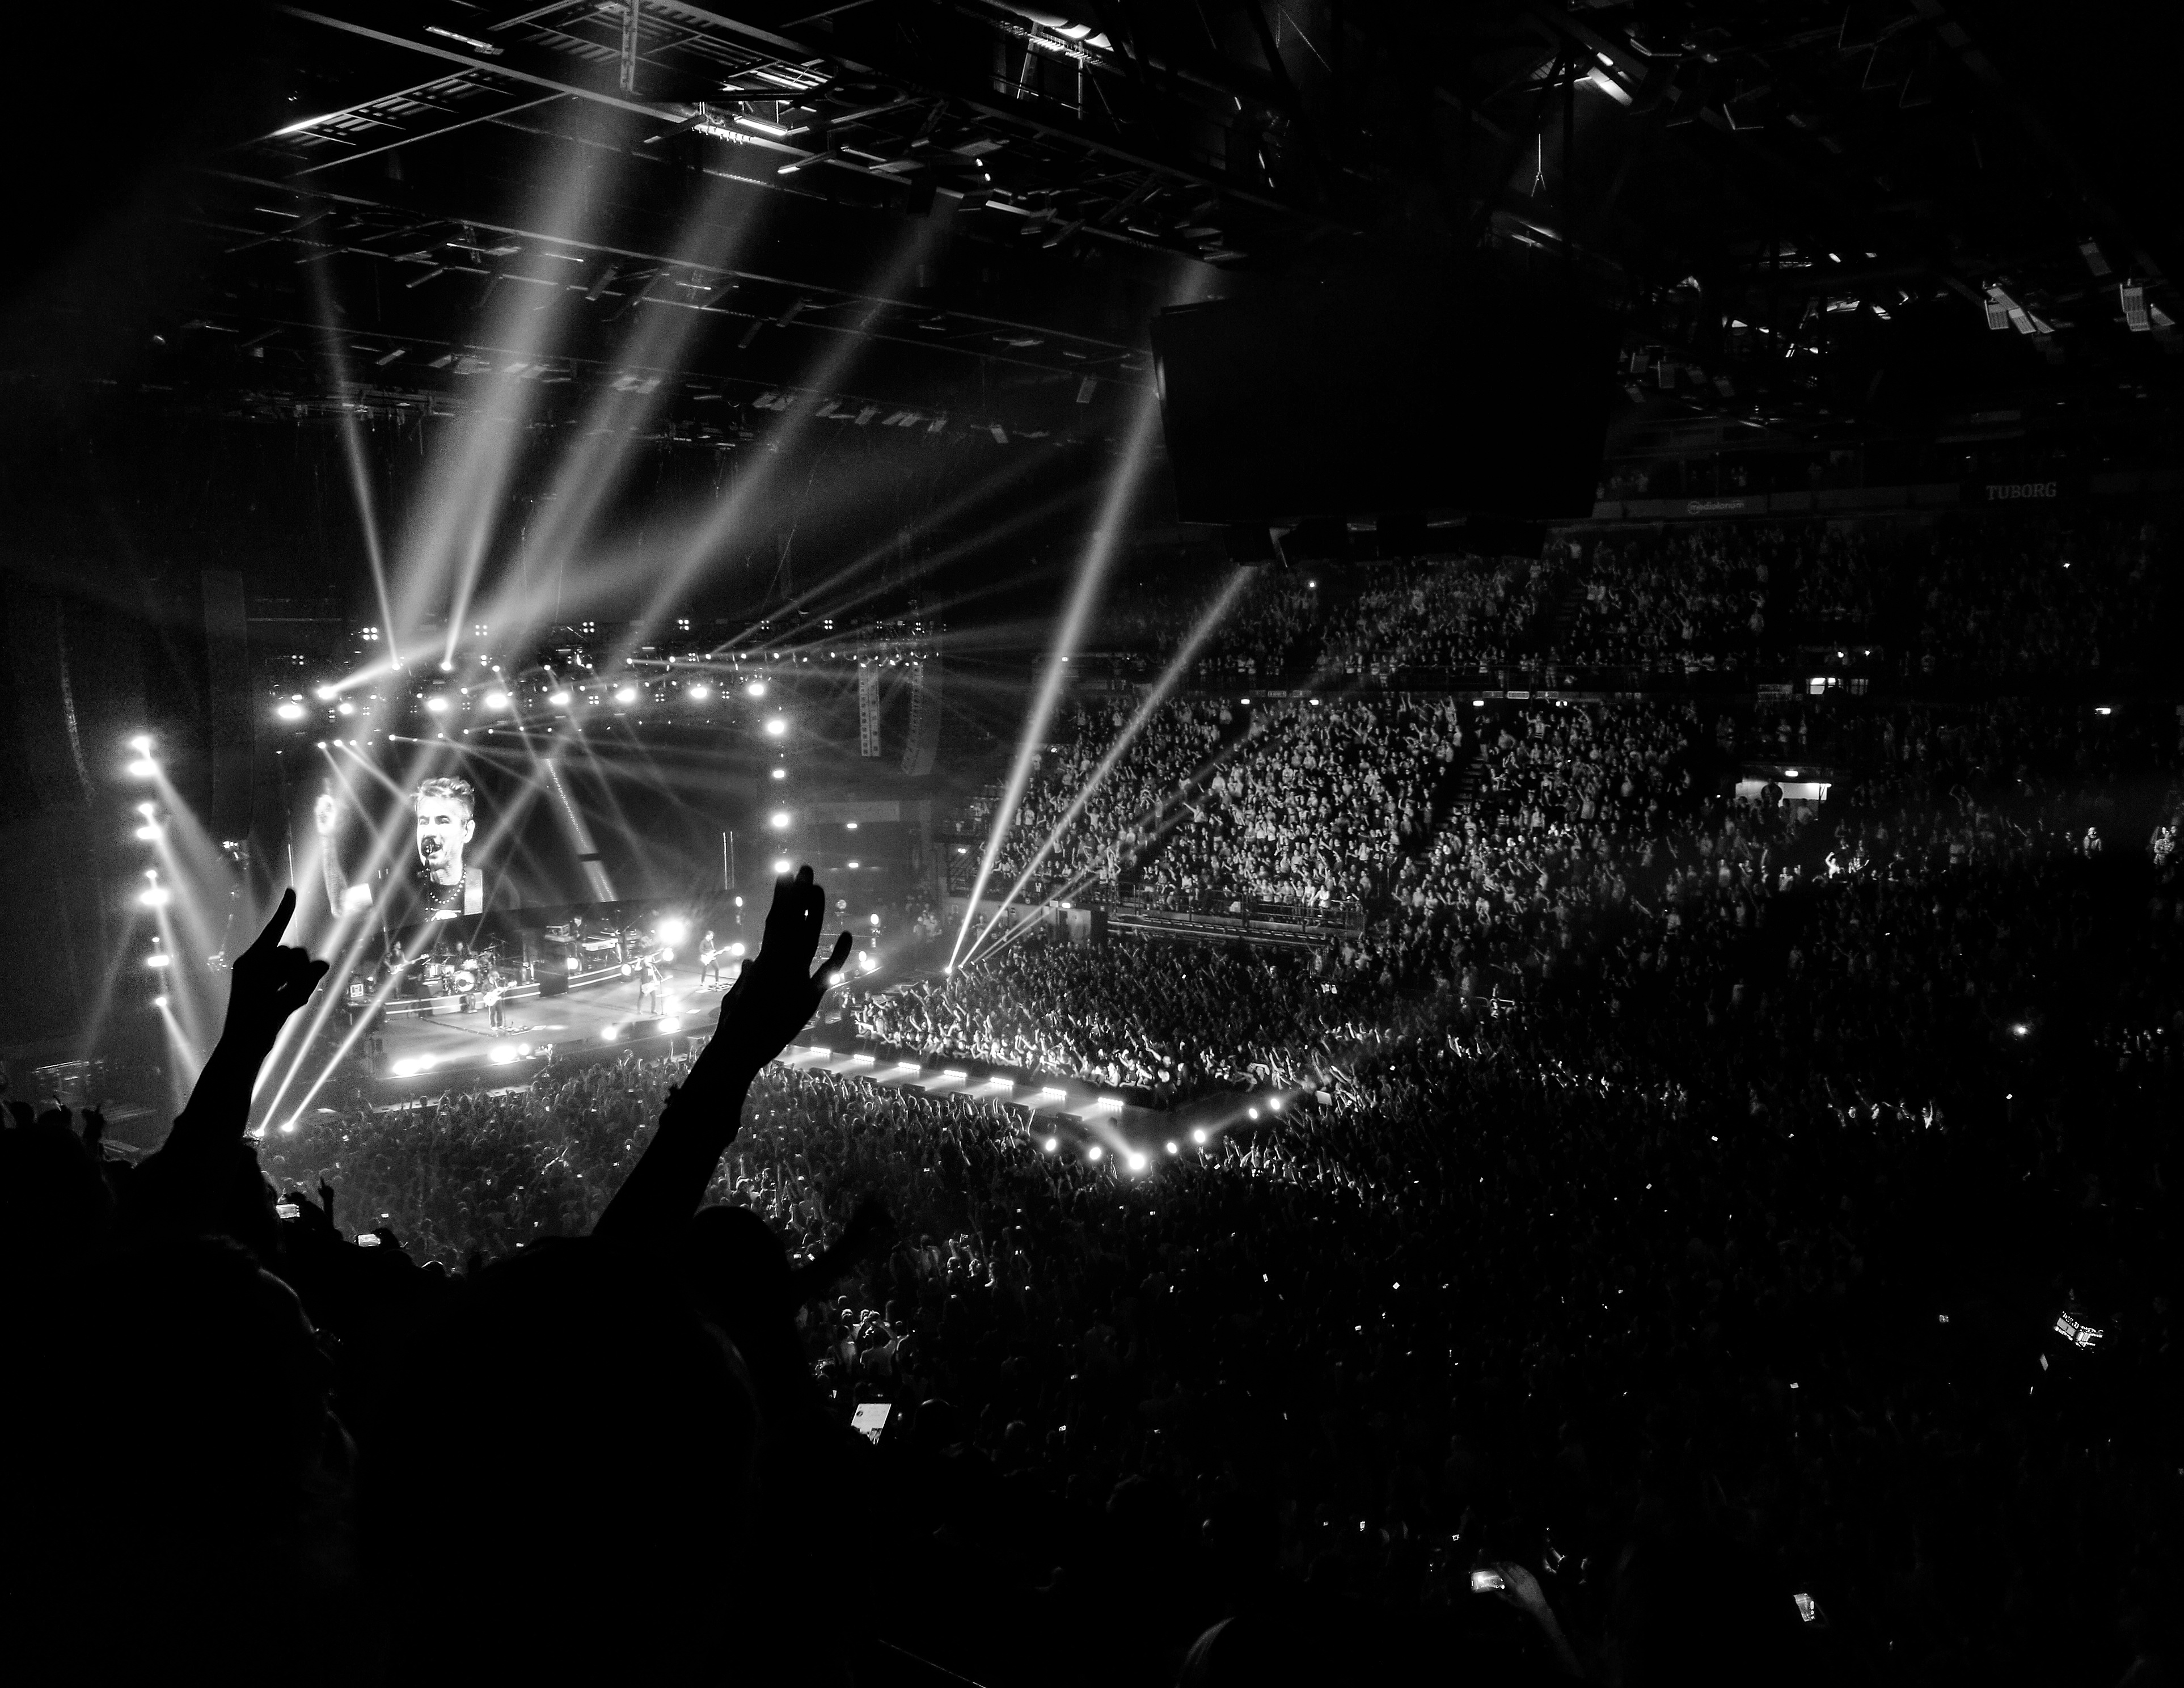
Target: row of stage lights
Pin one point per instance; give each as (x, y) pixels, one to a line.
(293, 710)
(156, 895)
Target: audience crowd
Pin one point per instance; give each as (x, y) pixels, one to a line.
(1678, 1233)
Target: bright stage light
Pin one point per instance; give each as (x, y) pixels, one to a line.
(781, 773)
(777, 726)
(1275, 1103)
(148, 831)
(142, 744)
(437, 704)
(755, 688)
(610, 1035)
(158, 959)
(780, 866)
(325, 694)
(778, 819)
(496, 700)
(574, 964)
(148, 810)
(853, 867)
(866, 961)
(1198, 1134)
(735, 950)
(155, 896)
(626, 694)
(701, 691)
(672, 1024)
(290, 709)
(1095, 1153)
(559, 699)
(143, 767)
(160, 1000)
(1173, 1149)
(1254, 1113)
(875, 919)
(671, 930)
(1137, 1161)
(344, 707)
(411, 1064)
(502, 1054)
(1051, 1145)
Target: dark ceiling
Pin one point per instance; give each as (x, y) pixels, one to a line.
(960, 215)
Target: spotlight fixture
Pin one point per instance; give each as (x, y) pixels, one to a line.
(142, 744)
(626, 694)
(700, 692)
(1173, 1149)
(289, 708)
(671, 930)
(344, 707)
(160, 1000)
(148, 810)
(143, 767)
(326, 694)
(1137, 1161)
(780, 865)
(778, 819)
(559, 699)
(155, 896)
(755, 688)
(148, 831)
(1051, 1145)
(776, 727)
(496, 700)
(437, 704)
(781, 773)
(735, 950)
(1198, 1134)
(158, 961)
(1095, 1153)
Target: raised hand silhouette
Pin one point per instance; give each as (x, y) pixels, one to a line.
(270, 981)
(773, 1000)
(778, 993)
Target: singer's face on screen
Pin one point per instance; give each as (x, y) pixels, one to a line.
(443, 830)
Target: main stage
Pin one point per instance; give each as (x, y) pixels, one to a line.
(450, 1039)
(423, 1054)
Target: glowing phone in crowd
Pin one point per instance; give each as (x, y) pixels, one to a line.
(870, 1419)
(287, 1209)
(1488, 1582)
(367, 1240)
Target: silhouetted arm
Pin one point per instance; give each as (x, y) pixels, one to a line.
(269, 983)
(773, 1000)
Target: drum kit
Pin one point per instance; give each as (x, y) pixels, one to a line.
(464, 976)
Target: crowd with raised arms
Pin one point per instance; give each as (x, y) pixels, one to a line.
(1314, 808)
(1120, 815)
(1457, 615)
(1678, 598)
(1271, 626)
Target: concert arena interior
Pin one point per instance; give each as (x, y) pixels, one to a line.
(1066, 844)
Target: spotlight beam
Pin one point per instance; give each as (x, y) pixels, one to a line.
(1091, 576)
(733, 506)
(1155, 696)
